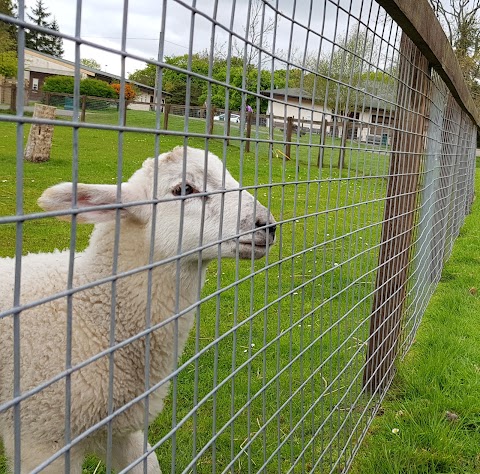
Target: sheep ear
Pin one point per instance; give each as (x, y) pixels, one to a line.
(60, 198)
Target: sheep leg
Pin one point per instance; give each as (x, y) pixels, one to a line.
(128, 448)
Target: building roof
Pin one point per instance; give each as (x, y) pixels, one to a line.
(370, 95)
(95, 72)
(295, 92)
(378, 95)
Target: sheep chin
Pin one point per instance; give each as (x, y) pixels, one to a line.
(247, 250)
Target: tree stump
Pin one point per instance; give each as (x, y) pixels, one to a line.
(40, 137)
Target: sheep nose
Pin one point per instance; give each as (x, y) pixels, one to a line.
(271, 227)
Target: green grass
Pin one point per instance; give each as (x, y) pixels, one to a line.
(439, 376)
(328, 314)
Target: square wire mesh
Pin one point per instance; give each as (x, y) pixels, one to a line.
(324, 112)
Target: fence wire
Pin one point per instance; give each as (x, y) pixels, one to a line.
(352, 169)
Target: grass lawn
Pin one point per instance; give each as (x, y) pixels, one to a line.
(291, 397)
(434, 402)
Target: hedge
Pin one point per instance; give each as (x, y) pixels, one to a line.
(91, 87)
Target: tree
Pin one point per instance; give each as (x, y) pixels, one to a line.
(8, 41)
(343, 79)
(176, 82)
(257, 33)
(145, 76)
(39, 41)
(89, 62)
(56, 42)
(35, 39)
(460, 20)
(8, 64)
(8, 32)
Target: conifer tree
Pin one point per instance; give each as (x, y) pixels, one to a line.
(40, 41)
(56, 42)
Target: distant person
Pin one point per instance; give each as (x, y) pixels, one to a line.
(249, 109)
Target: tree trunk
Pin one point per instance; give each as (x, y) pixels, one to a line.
(40, 137)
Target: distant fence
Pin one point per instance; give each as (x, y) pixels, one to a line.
(366, 159)
(329, 125)
(8, 95)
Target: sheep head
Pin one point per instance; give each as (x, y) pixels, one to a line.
(198, 204)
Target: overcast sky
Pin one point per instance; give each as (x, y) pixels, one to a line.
(101, 23)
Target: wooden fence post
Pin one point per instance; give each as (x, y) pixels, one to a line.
(249, 131)
(13, 99)
(210, 123)
(229, 123)
(321, 149)
(399, 217)
(343, 142)
(125, 101)
(166, 111)
(83, 109)
(289, 136)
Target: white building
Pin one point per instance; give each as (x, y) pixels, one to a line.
(372, 120)
(297, 103)
(39, 66)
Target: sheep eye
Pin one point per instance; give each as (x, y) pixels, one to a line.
(177, 191)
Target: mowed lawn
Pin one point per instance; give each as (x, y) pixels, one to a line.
(430, 420)
(298, 349)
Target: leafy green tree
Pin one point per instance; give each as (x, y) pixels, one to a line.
(176, 82)
(8, 64)
(280, 78)
(342, 77)
(8, 41)
(8, 32)
(145, 76)
(89, 62)
(236, 80)
(39, 41)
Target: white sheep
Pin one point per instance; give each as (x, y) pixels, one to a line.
(245, 227)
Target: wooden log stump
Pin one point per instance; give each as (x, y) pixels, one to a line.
(39, 142)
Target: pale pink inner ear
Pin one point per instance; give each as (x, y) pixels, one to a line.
(59, 198)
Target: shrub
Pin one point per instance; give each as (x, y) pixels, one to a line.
(130, 91)
(92, 87)
(96, 88)
(61, 84)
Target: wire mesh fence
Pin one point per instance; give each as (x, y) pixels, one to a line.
(217, 322)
